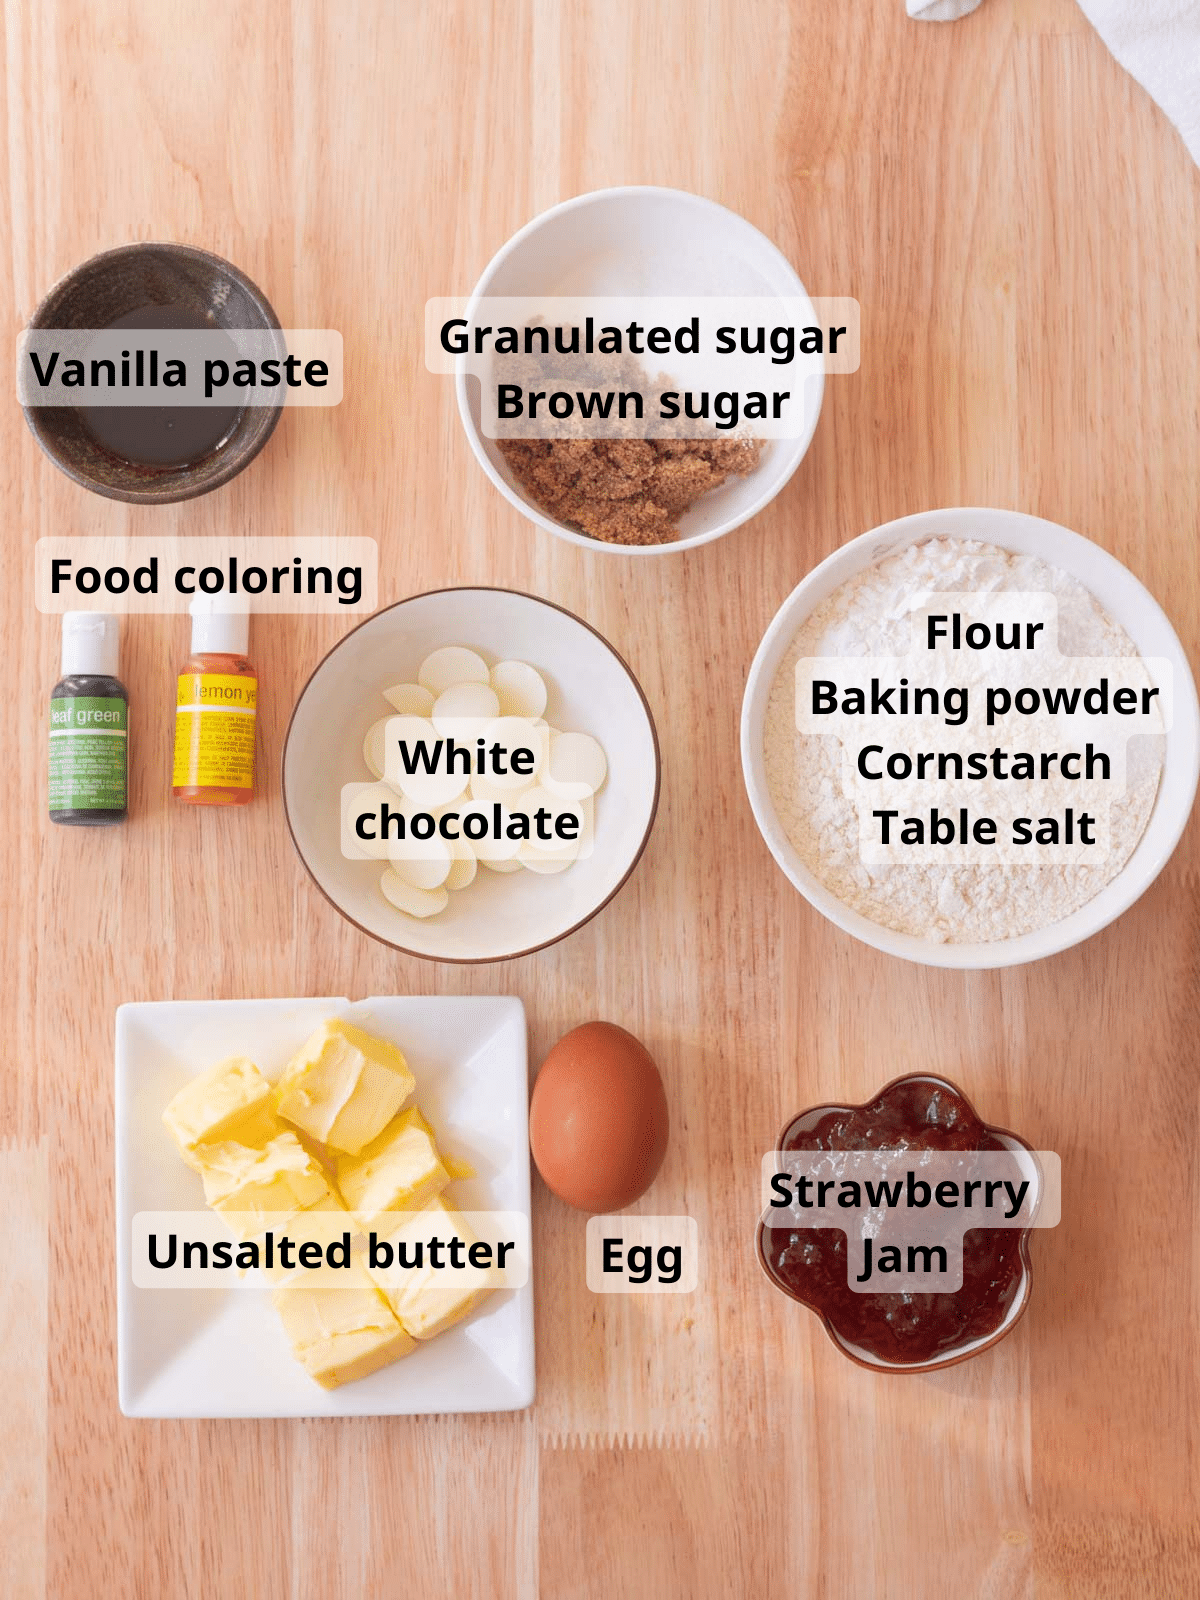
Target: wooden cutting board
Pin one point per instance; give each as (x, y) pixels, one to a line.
(1019, 224)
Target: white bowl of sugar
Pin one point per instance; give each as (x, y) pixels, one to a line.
(666, 245)
(1064, 905)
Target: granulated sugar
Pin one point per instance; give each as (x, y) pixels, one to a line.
(813, 794)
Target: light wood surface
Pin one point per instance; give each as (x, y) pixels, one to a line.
(1019, 223)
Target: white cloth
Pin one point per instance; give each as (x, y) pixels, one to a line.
(1158, 41)
(940, 10)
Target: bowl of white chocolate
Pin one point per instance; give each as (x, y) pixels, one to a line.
(471, 774)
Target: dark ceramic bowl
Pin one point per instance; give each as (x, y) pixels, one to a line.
(119, 283)
(805, 1121)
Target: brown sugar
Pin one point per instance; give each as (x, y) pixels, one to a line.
(626, 488)
(625, 491)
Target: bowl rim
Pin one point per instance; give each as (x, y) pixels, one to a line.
(938, 1364)
(799, 446)
(172, 486)
(1064, 547)
(544, 944)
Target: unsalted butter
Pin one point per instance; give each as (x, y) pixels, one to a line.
(259, 1189)
(426, 1300)
(341, 1334)
(355, 1161)
(344, 1086)
(229, 1101)
(400, 1170)
(324, 1223)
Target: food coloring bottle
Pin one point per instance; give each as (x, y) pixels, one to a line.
(215, 709)
(89, 725)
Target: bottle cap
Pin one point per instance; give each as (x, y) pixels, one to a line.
(91, 643)
(220, 627)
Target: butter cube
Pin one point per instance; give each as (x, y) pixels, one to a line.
(259, 1189)
(427, 1299)
(229, 1101)
(344, 1086)
(340, 1335)
(322, 1224)
(399, 1171)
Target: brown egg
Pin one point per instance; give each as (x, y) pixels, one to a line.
(598, 1119)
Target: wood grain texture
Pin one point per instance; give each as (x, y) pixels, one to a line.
(1019, 223)
(24, 1296)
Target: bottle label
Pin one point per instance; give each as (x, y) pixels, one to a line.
(214, 731)
(88, 746)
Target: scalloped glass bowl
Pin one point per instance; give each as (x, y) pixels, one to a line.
(948, 1358)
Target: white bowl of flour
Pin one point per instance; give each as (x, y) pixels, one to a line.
(968, 907)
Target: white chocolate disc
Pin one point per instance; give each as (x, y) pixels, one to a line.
(463, 865)
(503, 866)
(425, 863)
(452, 664)
(511, 734)
(406, 897)
(577, 766)
(373, 747)
(409, 699)
(549, 734)
(521, 688)
(427, 790)
(539, 799)
(461, 711)
(545, 866)
(483, 790)
(369, 799)
(564, 852)
(490, 849)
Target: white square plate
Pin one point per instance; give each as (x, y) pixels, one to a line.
(223, 1352)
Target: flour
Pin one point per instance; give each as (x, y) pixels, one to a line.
(824, 806)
